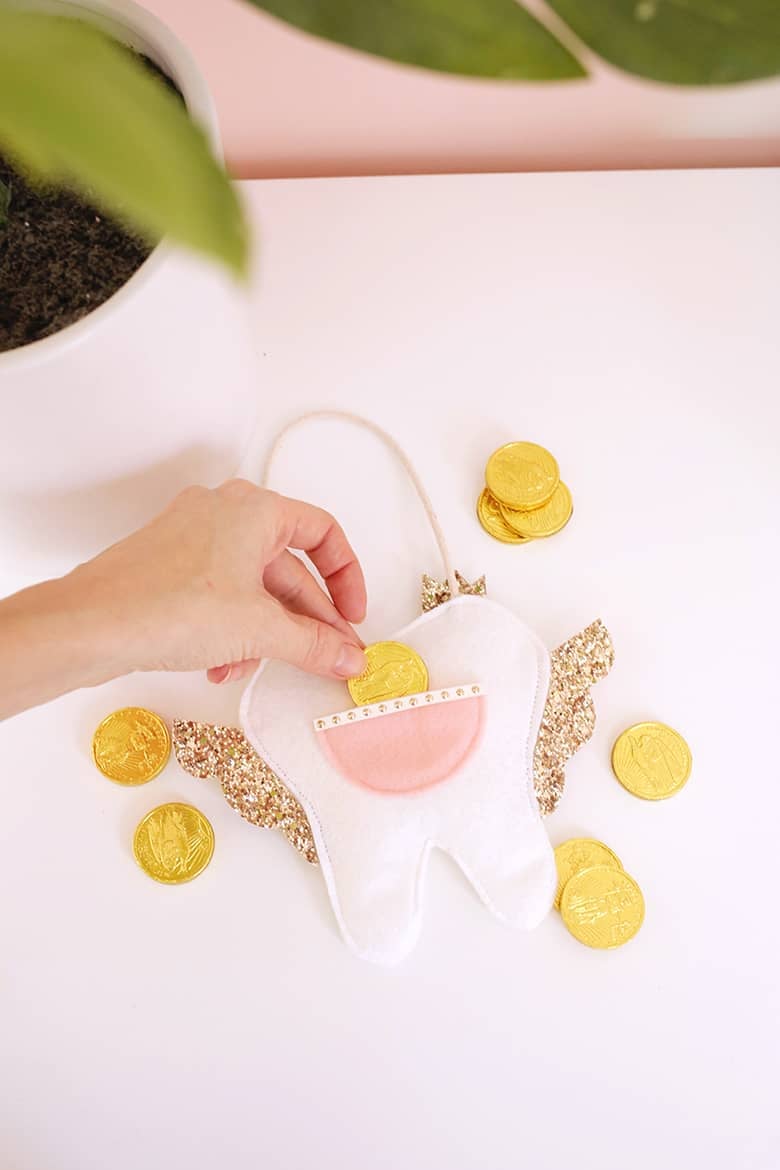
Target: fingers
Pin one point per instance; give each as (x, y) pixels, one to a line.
(288, 580)
(312, 645)
(232, 673)
(313, 531)
(316, 533)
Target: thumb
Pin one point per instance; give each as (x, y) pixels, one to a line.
(314, 646)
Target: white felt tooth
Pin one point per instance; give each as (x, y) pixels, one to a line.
(372, 845)
(373, 884)
(505, 853)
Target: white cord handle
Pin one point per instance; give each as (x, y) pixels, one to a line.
(346, 416)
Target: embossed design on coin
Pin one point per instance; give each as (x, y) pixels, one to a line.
(544, 521)
(392, 671)
(577, 854)
(489, 516)
(651, 760)
(602, 907)
(522, 475)
(131, 746)
(173, 843)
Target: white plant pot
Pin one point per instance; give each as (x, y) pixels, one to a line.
(101, 423)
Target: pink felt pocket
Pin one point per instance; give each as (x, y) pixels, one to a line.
(404, 751)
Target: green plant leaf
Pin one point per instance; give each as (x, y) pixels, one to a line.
(481, 38)
(686, 42)
(78, 109)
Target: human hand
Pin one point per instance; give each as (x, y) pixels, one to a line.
(211, 584)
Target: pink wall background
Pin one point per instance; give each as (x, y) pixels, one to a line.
(291, 105)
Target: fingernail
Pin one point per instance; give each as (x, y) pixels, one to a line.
(226, 676)
(351, 661)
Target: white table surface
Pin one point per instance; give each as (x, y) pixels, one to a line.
(628, 322)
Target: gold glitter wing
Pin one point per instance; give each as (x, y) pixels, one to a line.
(569, 715)
(249, 785)
(435, 592)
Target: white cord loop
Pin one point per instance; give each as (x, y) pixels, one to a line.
(346, 416)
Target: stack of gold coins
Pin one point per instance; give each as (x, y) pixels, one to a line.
(600, 904)
(523, 498)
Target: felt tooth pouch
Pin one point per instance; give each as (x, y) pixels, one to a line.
(448, 764)
(454, 772)
(457, 739)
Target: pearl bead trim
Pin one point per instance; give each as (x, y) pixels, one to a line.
(393, 706)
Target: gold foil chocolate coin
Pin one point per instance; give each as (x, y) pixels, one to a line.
(392, 671)
(131, 746)
(173, 843)
(491, 519)
(577, 854)
(602, 907)
(522, 475)
(651, 760)
(544, 521)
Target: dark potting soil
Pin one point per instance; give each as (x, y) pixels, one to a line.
(59, 257)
